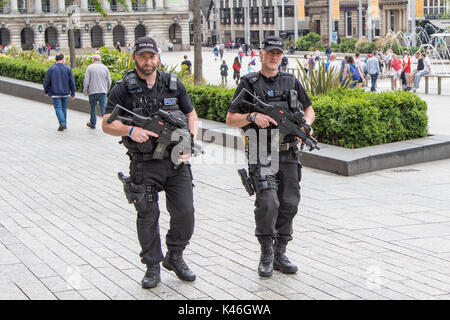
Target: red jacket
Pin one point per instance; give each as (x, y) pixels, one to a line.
(407, 64)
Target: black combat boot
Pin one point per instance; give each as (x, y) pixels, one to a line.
(174, 261)
(281, 262)
(265, 268)
(152, 276)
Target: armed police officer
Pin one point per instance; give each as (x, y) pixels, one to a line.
(277, 187)
(146, 90)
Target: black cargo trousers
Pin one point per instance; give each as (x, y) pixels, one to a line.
(277, 205)
(154, 176)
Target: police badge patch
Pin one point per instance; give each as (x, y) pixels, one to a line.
(170, 101)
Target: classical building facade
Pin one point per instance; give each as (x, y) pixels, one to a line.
(24, 22)
(393, 16)
(250, 21)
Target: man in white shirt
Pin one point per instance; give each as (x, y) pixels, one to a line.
(426, 70)
(334, 66)
(96, 84)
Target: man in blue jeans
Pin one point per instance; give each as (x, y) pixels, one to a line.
(59, 85)
(97, 81)
(373, 68)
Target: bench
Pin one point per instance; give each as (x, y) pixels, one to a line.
(439, 81)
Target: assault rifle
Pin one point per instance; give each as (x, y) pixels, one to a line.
(164, 125)
(288, 123)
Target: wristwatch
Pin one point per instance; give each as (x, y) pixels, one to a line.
(249, 117)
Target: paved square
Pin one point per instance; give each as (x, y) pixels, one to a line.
(67, 231)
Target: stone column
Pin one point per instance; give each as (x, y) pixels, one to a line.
(61, 6)
(149, 5)
(159, 4)
(233, 26)
(86, 37)
(37, 6)
(13, 6)
(84, 6)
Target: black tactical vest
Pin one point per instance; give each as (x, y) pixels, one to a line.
(163, 96)
(275, 91)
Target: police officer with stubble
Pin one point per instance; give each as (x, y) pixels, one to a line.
(278, 196)
(144, 90)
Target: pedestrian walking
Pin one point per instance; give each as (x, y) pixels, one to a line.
(352, 68)
(118, 46)
(221, 49)
(216, 52)
(328, 52)
(284, 63)
(236, 70)
(334, 66)
(187, 64)
(224, 71)
(60, 85)
(146, 90)
(96, 84)
(373, 68)
(240, 54)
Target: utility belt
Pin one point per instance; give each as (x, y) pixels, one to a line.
(139, 156)
(288, 145)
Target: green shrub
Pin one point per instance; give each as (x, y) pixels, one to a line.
(365, 47)
(309, 42)
(354, 118)
(346, 118)
(348, 45)
(35, 72)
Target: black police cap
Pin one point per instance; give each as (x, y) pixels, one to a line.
(271, 43)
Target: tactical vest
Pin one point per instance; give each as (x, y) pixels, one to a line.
(279, 95)
(145, 105)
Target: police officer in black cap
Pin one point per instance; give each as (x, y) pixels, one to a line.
(144, 90)
(278, 196)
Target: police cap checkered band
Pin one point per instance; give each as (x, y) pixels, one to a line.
(145, 44)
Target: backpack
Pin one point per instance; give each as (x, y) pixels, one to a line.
(355, 72)
(223, 69)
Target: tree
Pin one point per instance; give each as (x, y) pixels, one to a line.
(98, 7)
(198, 70)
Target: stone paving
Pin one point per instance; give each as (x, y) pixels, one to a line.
(67, 231)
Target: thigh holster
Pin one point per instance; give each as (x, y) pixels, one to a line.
(262, 182)
(142, 195)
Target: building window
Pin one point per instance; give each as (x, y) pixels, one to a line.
(238, 15)
(364, 23)
(336, 26)
(225, 16)
(254, 15)
(288, 11)
(376, 28)
(21, 6)
(392, 20)
(90, 6)
(348, 24)
(434, 7)
(113, 5)
(268, 15)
